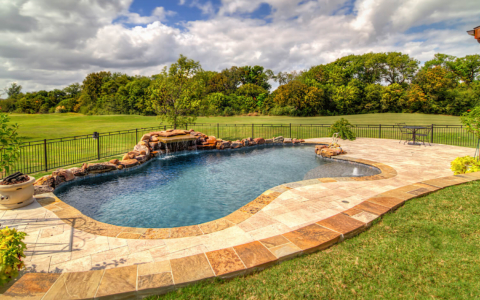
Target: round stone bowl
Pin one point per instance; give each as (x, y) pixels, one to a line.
(16, 195)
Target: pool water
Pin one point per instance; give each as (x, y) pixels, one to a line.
(193, 188)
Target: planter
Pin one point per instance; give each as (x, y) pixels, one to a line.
(16, 195)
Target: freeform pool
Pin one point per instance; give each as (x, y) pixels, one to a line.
(194, 188)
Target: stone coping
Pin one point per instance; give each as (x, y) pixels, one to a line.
(137, 281)
(78, 220)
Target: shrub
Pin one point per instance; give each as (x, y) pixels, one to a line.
(9, 144)
(465, 164)
(11, 253)
(343, 127)
(60, 109)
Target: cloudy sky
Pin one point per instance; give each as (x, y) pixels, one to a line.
(46, 44)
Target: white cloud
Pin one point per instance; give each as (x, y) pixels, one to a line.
(51, 43)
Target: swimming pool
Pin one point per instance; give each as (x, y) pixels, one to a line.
(193, 188)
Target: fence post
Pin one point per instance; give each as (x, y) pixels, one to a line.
(136, 135)
(218, 130)
(252, 132)
(290, 130)
(380, 131)
(45, 150)
(431, 135)
(98, 147)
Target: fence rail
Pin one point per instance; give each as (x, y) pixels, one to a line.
(48, 154)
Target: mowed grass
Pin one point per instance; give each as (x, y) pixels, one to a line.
(38, 126)
(427, 249)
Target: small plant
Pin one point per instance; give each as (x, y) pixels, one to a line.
(9, 144)
(471, 120)
(465, 164)
(344, 129)
(11, 253)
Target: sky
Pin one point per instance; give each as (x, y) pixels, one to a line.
(47, 44)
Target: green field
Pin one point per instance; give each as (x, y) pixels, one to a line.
(427, 249)
(46, 126)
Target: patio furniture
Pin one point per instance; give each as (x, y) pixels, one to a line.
(404, 132)
(423, 135)
(414, 130)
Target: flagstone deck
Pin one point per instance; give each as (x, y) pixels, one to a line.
(78, 262)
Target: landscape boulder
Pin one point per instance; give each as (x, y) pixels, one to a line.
(42, 189)
(153, 139)
(78, 172)
(114, 161)
(42, 180)
(100, 168)
(259, 141)
(245, 142)
(269, 141)
(278, 139)
(146, 137)
(287, 141)
(236, 145)
(142, 158)
(129, 163)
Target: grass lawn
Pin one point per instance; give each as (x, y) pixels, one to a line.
(37, 127)
(427, 249)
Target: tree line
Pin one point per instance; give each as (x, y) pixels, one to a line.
(354, 84)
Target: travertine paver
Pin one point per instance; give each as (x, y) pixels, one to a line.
(304, 217)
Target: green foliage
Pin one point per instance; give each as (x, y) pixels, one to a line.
(11, 253)
(465, 164)
(471, 120)
(176, 95)
(353, 84)
(9, 144)
(343, 128)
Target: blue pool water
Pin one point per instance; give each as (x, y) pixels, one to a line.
(188, 189)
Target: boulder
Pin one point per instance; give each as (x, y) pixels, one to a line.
(126, 156)
(320, 146)
(153, 139)
(295, 141)
(287, 141)
(154, 153)
(169, 130)
(252, 143)
(211, 140)
(179, 132)
(58, 180)
(226, 144)
(42, 180)
(42, 189)
(236, 145)
(142, 158)
(120, 167)
(100, 168)
(78, 172)
(278, 139)
(129, 163)
(269, 141)
(146, 137)
(66, 174)
(259, 141)
(114, 161)
(245, 142)
(141, 149)
(143, 143)
(220, 146)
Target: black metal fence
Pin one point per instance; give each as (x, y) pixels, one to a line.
(48, 154)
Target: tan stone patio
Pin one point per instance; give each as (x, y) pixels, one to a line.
(306, 216)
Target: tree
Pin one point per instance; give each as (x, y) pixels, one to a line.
(392, 98)
(14, 90)
(467, 68)
(176, 95)
(256, 75)
(306, 100)
(399, 68)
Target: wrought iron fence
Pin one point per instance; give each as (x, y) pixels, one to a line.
(48, 154)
